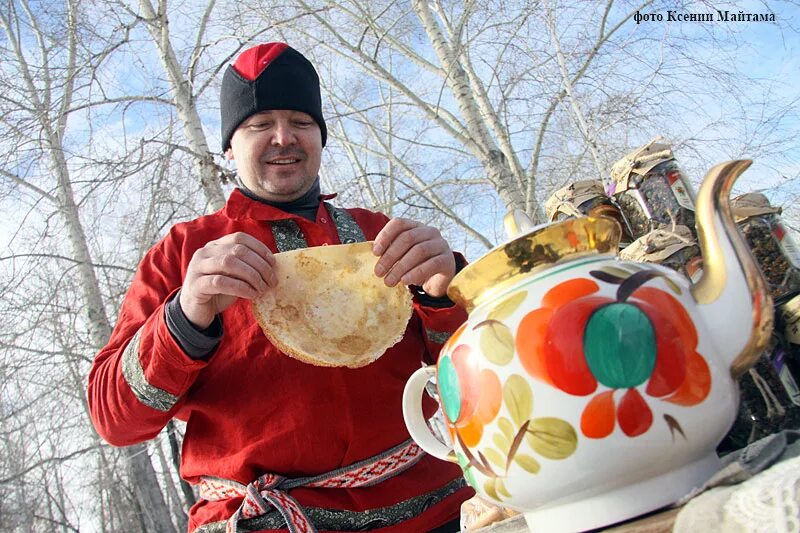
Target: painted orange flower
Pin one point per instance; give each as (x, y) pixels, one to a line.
(578, 340)
(470, 397)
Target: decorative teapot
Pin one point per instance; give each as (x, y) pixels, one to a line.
(584, 390)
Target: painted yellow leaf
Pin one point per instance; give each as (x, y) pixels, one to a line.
(673, 286)
(507, 428)
(527, 462)
(495, 457)
(552, 437)
(501, 488)
(497, 342)
(506, 308)
(502, 443)
(616, 271)
(519, 399)
(489, 489)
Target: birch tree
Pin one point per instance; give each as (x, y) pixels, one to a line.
(50, 63)
(185, 89)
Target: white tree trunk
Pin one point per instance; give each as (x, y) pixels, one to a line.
(175, 501)
(145, 483)
(148, 492)
(483, 145)
(52, 121)
(584, 126)
(158, 26)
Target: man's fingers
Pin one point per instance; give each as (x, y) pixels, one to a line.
(234, 266)
(216, 284)
(261, 252)
(250, 242)
(414, 254)
(389, 233)
(240, 262)
(225, 266)
(414, 257)
(262, 265)
(237, 268)
(423, 272)
(402, 245)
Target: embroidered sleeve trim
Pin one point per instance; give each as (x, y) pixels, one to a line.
(438, 337)
(133, 373)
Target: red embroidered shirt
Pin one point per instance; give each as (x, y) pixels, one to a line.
(248, 408)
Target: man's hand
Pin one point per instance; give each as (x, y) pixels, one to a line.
(234, 266)
(414, 254)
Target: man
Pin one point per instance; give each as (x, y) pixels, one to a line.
(275, 443)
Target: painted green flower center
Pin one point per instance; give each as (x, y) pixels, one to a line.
(620, 346)
(448, 389)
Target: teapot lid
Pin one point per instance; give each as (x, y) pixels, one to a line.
(533, 250)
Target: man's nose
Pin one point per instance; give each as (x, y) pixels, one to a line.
(283, 134)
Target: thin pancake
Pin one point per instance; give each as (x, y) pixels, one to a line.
(330, 309)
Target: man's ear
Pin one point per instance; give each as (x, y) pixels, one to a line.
(229, 154)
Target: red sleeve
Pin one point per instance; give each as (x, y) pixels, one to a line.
(138, 379)
(438, 323)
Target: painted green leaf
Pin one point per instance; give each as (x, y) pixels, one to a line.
(468, 471)
(519, 399)
(502, 443)
(527, 462)
(489, 489)
(497, 342)
(620, 345)
(449, 388)
(553, 438)
(495, 457)
(506, 308)
(507, 428)
(501, 488)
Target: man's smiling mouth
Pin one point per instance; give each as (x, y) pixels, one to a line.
(289, 161)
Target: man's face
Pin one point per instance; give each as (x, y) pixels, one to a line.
(277, 153)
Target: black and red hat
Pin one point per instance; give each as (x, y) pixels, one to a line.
(269, 76)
